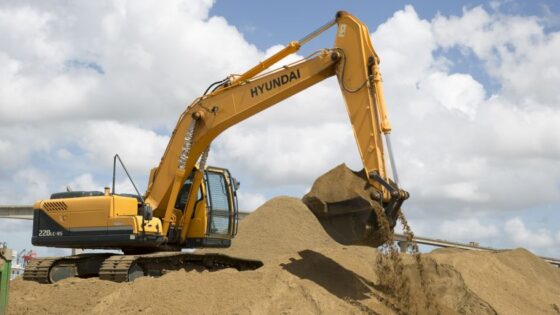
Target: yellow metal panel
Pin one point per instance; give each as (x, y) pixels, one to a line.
(125, 221)
(124, 206)
(199, 224)
(192, 199)
(59, 216)
(89, 211)
(363, 102)
(152, 226)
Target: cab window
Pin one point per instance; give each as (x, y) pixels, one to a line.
(218, 202)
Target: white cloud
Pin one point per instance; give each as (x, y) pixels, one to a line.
(522, 236)
(457, 92)
(24, 187)
(124, 186)
(249, 202)
(467, 230)
(140, 149)
(34, 181)
(84, 182)
(285, 155)
(467, 191)
(404, 43)
(83, 81)
(125, 60)
(516, 51)
(64, 154)
(457, 148)
(19, 142)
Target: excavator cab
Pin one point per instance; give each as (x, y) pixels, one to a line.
(214, 220)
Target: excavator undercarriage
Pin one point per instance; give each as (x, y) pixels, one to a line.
(122, 268)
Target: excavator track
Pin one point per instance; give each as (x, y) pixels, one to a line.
(123, 268)
(116, 268)
(38, 269)
(53, 269)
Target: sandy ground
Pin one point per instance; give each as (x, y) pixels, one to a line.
(306, 272)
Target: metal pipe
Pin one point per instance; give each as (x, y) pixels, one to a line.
(316, 32)
(391, 158)
(291, 48)
(117, 157)
(403, 243)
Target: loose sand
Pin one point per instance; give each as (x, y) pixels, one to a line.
(306, 272)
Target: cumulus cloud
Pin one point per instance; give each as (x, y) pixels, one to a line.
(83, 81)
(84, 182)
(464, 149)
(24, 187)
(140, 149)
(467, 230)
(515, 49)
(285, 155)
(123, 60)
(87, 182)
(522, 236)
(459, 145)
(248, 202)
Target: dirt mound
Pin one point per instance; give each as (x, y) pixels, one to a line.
(306, 272)
(347, 206)
(340, 280)
(513, 282)
(283, 225)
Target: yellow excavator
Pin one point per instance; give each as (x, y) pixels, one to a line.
(188, 204)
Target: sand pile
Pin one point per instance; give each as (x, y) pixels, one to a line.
(307, 272)
(281, 226)
(513, 282)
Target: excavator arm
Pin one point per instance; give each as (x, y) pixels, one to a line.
(356, 65)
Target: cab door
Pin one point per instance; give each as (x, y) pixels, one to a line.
(221, 203)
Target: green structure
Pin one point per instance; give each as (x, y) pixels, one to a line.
(5, 266)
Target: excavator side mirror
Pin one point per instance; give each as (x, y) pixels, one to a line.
(235, 183)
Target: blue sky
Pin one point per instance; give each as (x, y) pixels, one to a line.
(267, 23)
(471, 90)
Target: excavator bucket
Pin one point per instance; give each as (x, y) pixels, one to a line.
(348, 208)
